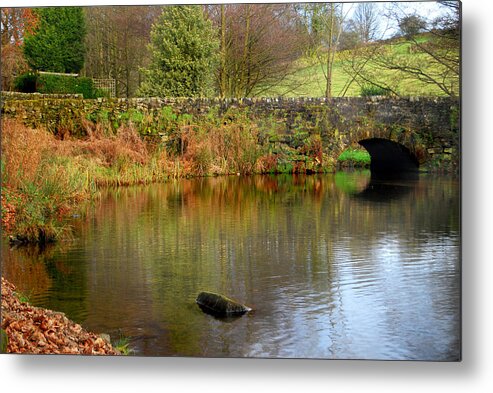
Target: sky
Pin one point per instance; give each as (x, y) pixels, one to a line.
(422, 7)
(429, 10)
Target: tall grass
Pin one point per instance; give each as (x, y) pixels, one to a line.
(44, 179)
(35, 194)
(227, 149)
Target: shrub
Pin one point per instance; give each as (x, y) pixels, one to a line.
(26, 83)
(45, 178)
(61, 84)
(56, 84)
(372, 90)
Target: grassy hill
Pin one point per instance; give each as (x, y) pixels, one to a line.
(308, 80)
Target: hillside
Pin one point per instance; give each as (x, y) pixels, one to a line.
(308, 80)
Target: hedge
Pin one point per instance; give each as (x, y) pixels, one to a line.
(56, 84)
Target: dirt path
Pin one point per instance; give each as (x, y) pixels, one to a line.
(34, 330)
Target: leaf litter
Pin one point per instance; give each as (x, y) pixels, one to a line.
(34, 330)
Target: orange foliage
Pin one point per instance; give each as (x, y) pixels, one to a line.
(24, 148)
(22, 151)
(13, 64)
(31, 20)
(8, 215)
(16, 23)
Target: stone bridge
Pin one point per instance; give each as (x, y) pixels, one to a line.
(399, 133)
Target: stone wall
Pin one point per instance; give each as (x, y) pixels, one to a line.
(427, 126)
(15, 95)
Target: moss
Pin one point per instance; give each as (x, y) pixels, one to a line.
(220, 305)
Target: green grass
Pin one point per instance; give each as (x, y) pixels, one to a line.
(122, 345)
(355, 158)
(309, 81)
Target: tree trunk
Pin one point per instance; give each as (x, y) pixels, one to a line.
(246, 44)
(222, 75)
(330, 50)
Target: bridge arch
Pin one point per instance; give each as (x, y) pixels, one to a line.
(388, 156)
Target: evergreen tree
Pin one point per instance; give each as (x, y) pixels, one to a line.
(57, 44)
(183, 49)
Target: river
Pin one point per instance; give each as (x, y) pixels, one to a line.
(336, 266)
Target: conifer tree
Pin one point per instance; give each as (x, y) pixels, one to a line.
(184, 50)
(57, 44)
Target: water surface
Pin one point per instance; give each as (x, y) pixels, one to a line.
(335, 266)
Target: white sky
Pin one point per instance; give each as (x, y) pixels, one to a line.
(423, 8)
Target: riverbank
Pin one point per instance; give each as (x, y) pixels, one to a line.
(34, 330)
(46, 178)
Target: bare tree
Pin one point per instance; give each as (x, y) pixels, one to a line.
(258, 46)
(335, 18)
(324, 25)
(223, 48)
(116, 42)
(366, 20)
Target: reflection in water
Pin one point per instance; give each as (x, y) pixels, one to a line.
(352, 182)
(329, 272)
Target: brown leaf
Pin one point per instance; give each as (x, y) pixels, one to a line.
(36, 330)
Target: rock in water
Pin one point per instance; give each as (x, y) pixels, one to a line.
(216, 304)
